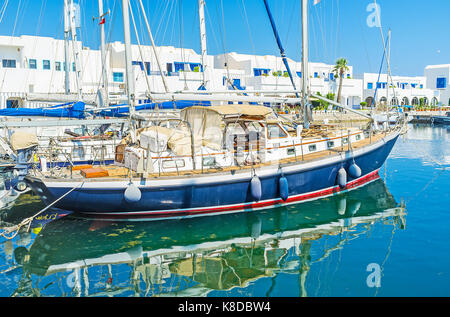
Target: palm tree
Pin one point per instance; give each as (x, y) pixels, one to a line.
(339, 70)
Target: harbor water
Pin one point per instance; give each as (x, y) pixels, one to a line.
(387, 238)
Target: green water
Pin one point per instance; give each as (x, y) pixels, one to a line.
(388, 238)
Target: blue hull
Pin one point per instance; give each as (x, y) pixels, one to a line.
(220, 195)
(441, 120)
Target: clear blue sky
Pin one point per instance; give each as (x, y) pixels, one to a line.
(338, 28)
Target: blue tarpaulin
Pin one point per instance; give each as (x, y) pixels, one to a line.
(123, 110)
(70, 110)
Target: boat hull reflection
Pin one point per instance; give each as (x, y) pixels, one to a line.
(213, 252)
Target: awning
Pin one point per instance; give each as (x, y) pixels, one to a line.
(238, 110)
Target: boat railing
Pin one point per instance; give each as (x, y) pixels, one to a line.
(245, 156)
(251, 157)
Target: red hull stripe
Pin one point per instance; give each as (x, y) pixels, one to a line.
(241, 207)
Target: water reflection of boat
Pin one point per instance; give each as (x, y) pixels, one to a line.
(205, 253)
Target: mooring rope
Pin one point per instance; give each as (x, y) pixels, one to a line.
(6, 233)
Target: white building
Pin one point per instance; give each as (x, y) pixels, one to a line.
(438, 77)
(31, 64)
(404, 91)
(35, 65)
(269, 73)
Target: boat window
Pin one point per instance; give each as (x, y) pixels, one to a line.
(312, 148)
(275, 131)
(254, 126)
(209, 161)
(358, 137)
(78, 152)
(330, 144)
(291, 151)
(344, 140)
(173, 163)
(235, 128)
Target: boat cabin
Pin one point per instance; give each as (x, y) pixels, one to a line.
(217, 137)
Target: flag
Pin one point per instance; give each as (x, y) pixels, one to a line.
(316, 2)
(102, 21)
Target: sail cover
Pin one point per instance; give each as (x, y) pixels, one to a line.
(22, 140)
(67, 110)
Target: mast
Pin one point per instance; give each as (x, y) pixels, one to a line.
(76, 52)
(305, 71)
(201, 16)
(388, 66)
(128, 64)
(280, 46)
(103, 52)
(66, 47)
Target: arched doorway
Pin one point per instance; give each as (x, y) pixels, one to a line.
(415, 101)
(434, 101)
(394, 101)
(369, 101)
(383, 101)
(405, 101)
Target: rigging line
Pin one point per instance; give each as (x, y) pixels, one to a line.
(174, 21)
(365, 44)
(386, 256)
(153, 46)
(385, 51)
(140, 49)
(17, 16)
(56, 52)
(82, 39)
(224, 46)
(290, 21)
(209, 20)
(338, 43)
(107, 40)
(43, 5)
(162, 19)
(3, 10)
(172, 11)
(378, 80)
(314, 37)
(245, 17)
(14, 28)
(183, 57)
(319, 22)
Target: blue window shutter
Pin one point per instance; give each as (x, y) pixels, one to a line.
(441, 82)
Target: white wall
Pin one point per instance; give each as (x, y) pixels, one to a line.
(432, 73)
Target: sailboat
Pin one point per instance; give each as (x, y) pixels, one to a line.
(222, 159)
